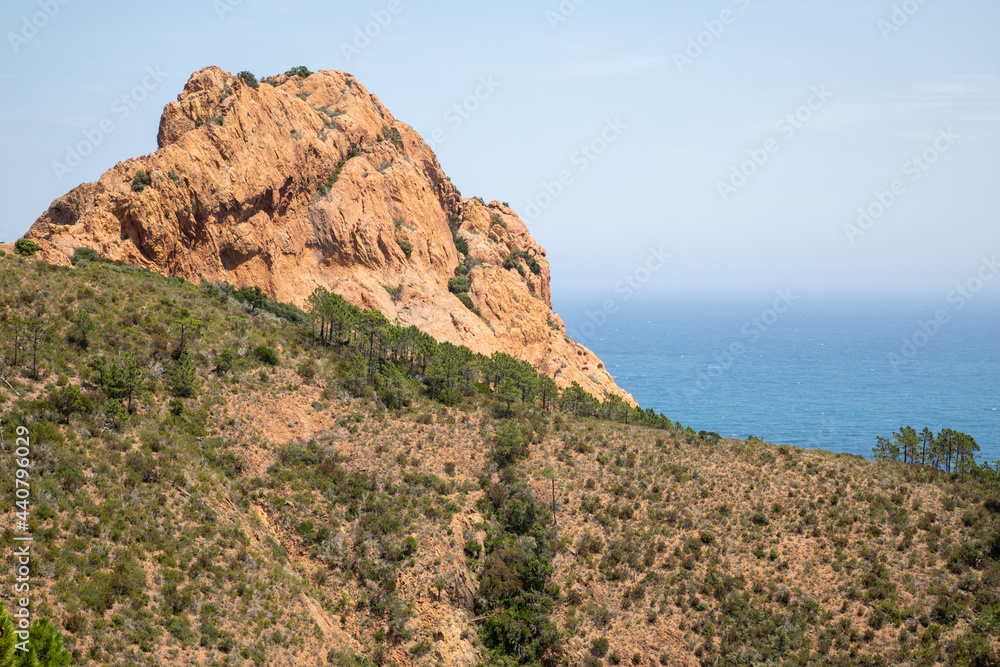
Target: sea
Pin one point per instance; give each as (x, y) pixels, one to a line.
(825, 373)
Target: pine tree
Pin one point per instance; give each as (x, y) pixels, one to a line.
(426, 347)
(613, 408)
(394, 384)
(357, 375)
(115, 413)
(45, 647)
(37, 333)
(548, 392)
(508, 445)
(507, 392)
(373, 326)
(965, 453)
(574, 400)
(926, 446)
(83, 326)
(187, 325)
(444, 373)
(527, 381)
(908, 442)
(7, 637)
(99, 364)
(440, 583)
(317, 313)
(944, 447)
(885, 450)
(45, 644)
(409, 341)
(469, 373)
(183, 377)
(123, 379)
(15, 323)
(252, 296)
(498, 367)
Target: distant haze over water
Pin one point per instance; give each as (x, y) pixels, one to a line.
(819, 373)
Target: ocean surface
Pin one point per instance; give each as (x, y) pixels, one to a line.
(816, 373)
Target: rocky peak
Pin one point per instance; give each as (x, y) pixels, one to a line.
(302, 182)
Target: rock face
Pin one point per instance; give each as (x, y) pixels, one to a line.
(312, 182)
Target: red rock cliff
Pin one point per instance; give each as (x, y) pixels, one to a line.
(238, 193)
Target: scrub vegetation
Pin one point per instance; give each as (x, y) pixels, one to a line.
(220, 479)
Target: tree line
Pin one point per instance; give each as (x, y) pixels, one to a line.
(396, 361)
(951, 451)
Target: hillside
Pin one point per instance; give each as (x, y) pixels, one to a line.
(306, 180)
(314, 491)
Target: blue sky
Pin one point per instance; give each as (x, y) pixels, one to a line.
(746, 157)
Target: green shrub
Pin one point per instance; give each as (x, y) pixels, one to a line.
(396, 292)
(307, 370)
(301, 70)
(421, 648)
(408, 547)
(466, 301)
(249, 79)
(599, 646)
(183, 377)
(512, 262)
(458, 284)
(257, 299)
(224, 361)
(393, 136)
(26, 247)
(144, 469)
(141, 181)
(286, 311)
(973, 648)
(70, 400)
(406, 246)
(473, 548)
(84, 255)
(462, 245)
(495, 219)
(352, 152)
(509, 445)
(335, 657)
(266, 355)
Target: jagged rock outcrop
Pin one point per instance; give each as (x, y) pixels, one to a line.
(312, 182)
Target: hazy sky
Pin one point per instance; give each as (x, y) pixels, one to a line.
(740, 137)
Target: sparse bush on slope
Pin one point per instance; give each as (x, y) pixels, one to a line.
(159, 520)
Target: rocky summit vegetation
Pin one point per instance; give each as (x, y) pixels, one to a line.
(221, 479)
(310, 181)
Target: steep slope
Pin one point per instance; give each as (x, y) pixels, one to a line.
(267, 515)
(312, 182)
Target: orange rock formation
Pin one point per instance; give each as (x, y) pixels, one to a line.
(238, 192)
